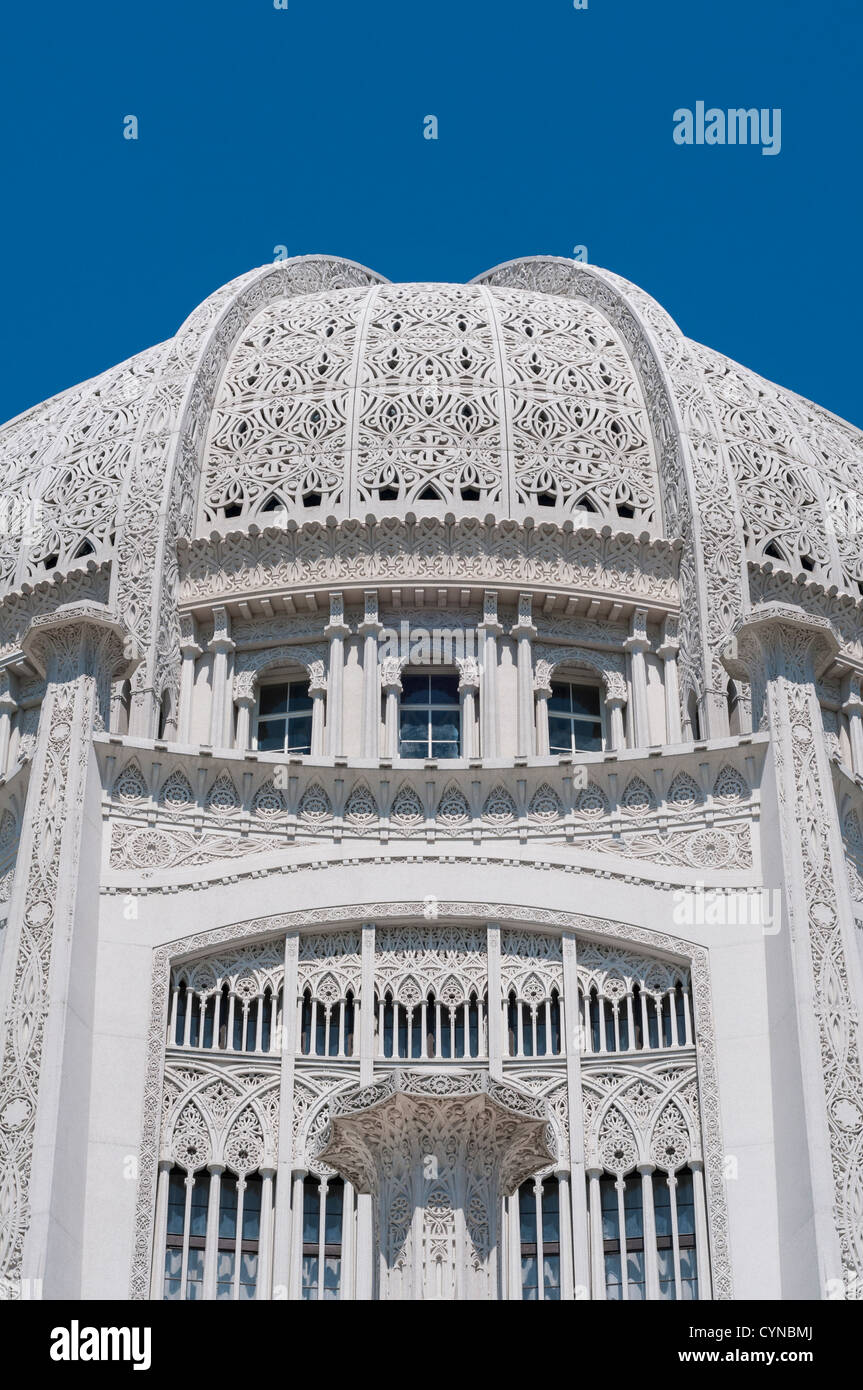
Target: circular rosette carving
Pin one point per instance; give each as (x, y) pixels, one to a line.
(244, 1146)
(710, 849)
(190, 1141)
(617, 1148)
(670, 1145)
(150, 849)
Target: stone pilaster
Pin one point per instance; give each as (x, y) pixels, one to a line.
(370, 630)
(782, 650)
(47, 978)
(524, 632)
(490, 630)
(336, 631)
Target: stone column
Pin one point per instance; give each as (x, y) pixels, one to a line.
(370, 629)
(391, 684)
(614, 712)
(366, 1254)
(782, 650)
(574, 1160)
(282, 1216)
(648, 1216)
(318, 692)
(669, 650)
(636, 644)
(524, 632)
(542, 691)
(8, 706)
(49, 960)
(190, 651)
(852, 708)
(221, 646)
(490, 630)
(336, 630)
(468, 688)
(245, 704)
(211, 1246)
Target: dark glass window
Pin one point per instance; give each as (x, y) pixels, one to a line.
(430, 717)
(322, 1248)
(539, 1235)
(285, 718)
(574, 719)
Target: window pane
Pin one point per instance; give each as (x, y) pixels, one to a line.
(666, 1275)
(415, 690)
(688, 1275)
(445, 728)
(198, 1212)
(271, 735)
(225, 1274)
(632, 1211)
(550, 1217)
(613, 1289)
(560, 735)
(176, 1204)
(311, 1212)
(635, 1273)
(273, 699)
(252, 1210)
(310, 1276)
(173, 1270)
(559, 699)
(333, 1214)
(588, 737)
(685, 1205)
(527, 1213)
(228, 1209)
(443, 690)
(414, 727)
(585, 699)
(299, 699)
(300, 734)
(195, 1275)
(332, 1276)
(248, 1274)
(413, 750)
(445, 750)
(661, 1204)
(529, 1282)
(551, 1276)
(610, 1223)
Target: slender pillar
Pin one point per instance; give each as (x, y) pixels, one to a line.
(637, 643)
(782, 650)
(211, 1247)
(160, 1229)
(597, 1254)
(524, 633)
(702, 1245)
(614, 708)
(572, 1034)
(245, 704)
(370, 629)
(490, 630)
(265, 1244)
(542, 691)
(283, 1214)
(336, 630)
(189, 651)
(669, 650)
(468, 688)
(49, 959)
(852, 708)
(8, 706)
(295, 1283)
(391, 684)
(366, 1254)
(221, 647)
(318, 692)
(495, 1003)
(651, 1266)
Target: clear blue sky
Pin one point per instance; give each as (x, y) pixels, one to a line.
(260, 127)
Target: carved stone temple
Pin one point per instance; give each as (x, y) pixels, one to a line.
(431, 808)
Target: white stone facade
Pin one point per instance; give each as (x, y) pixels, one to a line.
(431, 861)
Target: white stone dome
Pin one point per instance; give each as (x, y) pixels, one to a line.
(546, 391)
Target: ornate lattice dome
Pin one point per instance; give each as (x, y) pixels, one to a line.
(533, 393)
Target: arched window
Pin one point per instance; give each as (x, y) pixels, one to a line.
(284, 719)
(534, 1029)
(648, 1015)
(234, 1015)
(539, 1237)
(327, 1029)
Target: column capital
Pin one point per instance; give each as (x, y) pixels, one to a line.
(779, 638)
(524, 625)
(221, 640)
(489, 623)
(337, 627)
(51, 635)
(189, 645)
(638, 640)
(468, 673)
